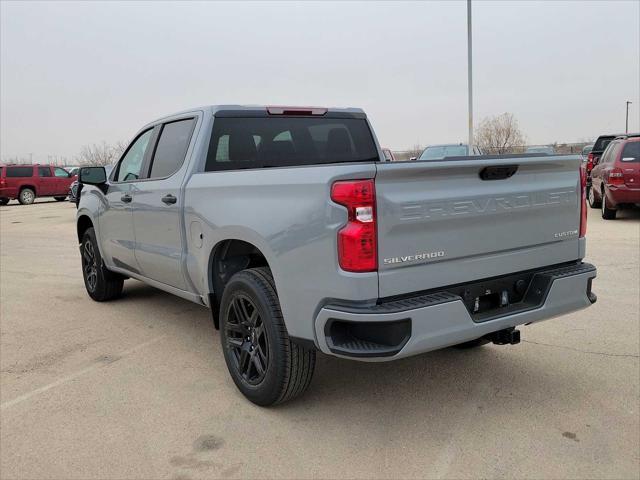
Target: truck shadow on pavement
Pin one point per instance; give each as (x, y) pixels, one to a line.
(447, 381)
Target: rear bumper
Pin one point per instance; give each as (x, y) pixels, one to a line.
(433, 321)
(9, 192)
(622, 194)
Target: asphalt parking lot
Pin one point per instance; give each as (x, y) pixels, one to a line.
(138, 388)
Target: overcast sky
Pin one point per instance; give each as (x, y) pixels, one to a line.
(77, 73)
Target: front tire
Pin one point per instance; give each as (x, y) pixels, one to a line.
(27, 196)
(607, 213)
(266, 366)
(101, 283)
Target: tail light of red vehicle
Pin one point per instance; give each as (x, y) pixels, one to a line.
(589, 162)
(583, 202)
(357, 240)
(616, 177)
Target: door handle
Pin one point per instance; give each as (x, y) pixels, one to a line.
(169, 199)
(126, 198)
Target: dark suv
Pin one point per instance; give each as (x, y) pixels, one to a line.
(26, 182)
(615, 178)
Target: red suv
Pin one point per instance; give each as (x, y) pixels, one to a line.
(615, 178)
(26, 182)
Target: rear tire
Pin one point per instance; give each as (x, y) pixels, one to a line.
(60, 199)
(266, 366)
(101, 283)
(27, 196)
(607, 213)
(591, 198)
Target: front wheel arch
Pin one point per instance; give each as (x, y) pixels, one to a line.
(83, 224)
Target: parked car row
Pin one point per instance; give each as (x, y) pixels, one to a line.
(614, 174)
(25, 183)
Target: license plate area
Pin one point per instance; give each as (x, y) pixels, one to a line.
(491, 298)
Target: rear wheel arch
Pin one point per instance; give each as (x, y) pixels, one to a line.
(30, 187)
(227, 258)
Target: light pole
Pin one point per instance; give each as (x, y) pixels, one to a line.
(470, 76)
(626, 122)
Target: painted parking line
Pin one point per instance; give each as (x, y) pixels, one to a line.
(73, 376)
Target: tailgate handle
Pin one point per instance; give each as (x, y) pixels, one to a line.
(498, 172)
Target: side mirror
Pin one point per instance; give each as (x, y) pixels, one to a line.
(413, 159)
(93, 175)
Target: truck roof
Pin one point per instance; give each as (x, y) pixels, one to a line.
(212, 109)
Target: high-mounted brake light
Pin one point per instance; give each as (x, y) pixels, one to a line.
(583, 202)
(357, 240)
(301, 111)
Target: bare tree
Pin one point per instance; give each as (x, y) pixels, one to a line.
(500, 134)
(100, 154)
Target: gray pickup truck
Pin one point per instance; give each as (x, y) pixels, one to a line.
(292, 228)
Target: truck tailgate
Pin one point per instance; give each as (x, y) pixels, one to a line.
(455, 221)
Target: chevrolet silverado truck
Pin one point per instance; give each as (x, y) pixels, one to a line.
(292, 228)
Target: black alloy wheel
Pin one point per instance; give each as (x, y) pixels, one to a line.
(90, 265)
(247, 339)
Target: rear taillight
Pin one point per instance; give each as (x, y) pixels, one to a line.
(589, 162)
(583, 202)
(357, 240)
(616, 177)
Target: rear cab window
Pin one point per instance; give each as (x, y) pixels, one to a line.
(260, 141)
(631, 152)
(602, 143)
(17, 172)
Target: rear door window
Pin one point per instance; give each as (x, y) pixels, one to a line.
(631, 152)
(172, 148)
(44, 171)
(613, 150)
(607, 154)
(19, 172)
(258, 142)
